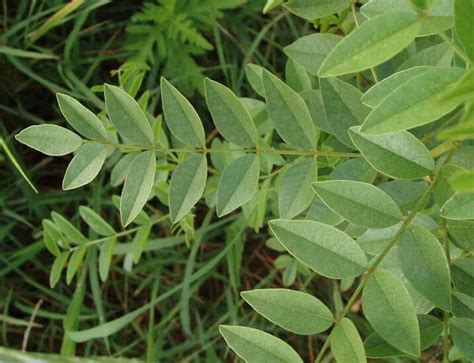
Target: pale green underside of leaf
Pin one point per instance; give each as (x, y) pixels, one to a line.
(51, 140)
(460, 206)
(180, 116)
(127, 116)
(95, 221)
(346, 343)
(375, 94)
(237, 184)
(229, 115)
(342, 107)
(254, 76)
(424, 264)
(294, 311)
(398, 155)
(81, 119)
(388, 308)
(289, 113)
(187, 185)
(414, 103)
(359, 203)
(295, 193)
(311, 50)
(374, 42)
(85, 166)
(254, 345)
(137, 186)
(311, 9)
(323, 248)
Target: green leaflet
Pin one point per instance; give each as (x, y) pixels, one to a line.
(237, 184)
(439, 55)
(105, 257)
(311, 50)
(121, 169)
(463, 181)
(296, 77)
(462, 331)
(180, 116)
(354, 169)
(80, 118)
(425, 266)
(463, 10)
(398, 155)
(254, 76)
(51, 237)
(95, 221)
(71, 233)
(359, 203)
(463, 305)
(293, 310)
(289, 113)
(314, 102)
(382, 89)
(346, 343)
(343, 107)
(325, 249)
(462, 273)
(127, 116)
(414, 103)
(137, 186)
(254, 345)
(229, 115)
(51, 140)
(430, 330)
(85, 166)
(58, 266)
(315, 9)
(374, 42)
(462, 233)
(389, 309)
(295, 193)
(439, 17)
(75, 262)
(187, 185)
(459, 206)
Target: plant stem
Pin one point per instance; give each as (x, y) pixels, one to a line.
(446, 313)
(372, 268)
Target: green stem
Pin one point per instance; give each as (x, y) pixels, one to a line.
(373, 266)
(314, 152)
